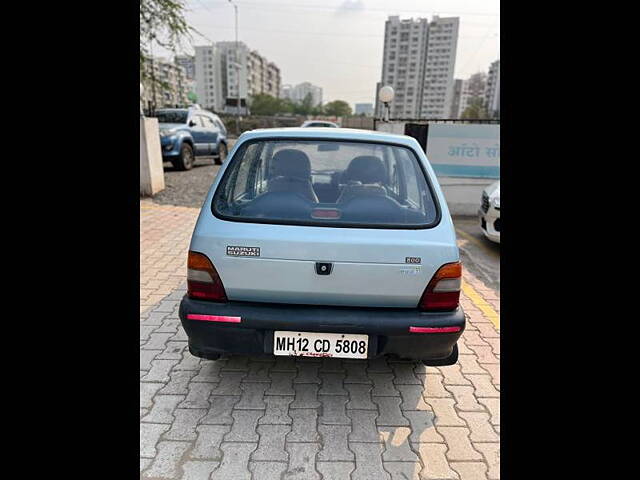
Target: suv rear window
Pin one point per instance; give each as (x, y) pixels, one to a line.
(326, 183)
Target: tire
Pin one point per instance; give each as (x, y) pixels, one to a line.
(222, 155)
(186, 159)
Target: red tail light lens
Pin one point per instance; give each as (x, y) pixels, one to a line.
(443, 291)
(203, 281)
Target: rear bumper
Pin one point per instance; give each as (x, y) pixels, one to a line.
(388, 329)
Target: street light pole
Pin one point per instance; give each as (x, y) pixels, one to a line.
(237, 63)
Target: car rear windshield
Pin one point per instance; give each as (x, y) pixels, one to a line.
(326, 183)
(167, 116)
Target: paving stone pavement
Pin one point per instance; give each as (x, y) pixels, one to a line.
(261, 418)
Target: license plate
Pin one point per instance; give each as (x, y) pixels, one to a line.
(315, 344)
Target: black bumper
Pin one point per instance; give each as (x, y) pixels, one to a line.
(388, 329)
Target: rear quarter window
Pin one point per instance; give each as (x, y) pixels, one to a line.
(326, 183)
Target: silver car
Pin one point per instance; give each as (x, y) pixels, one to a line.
(489, 213)
(324, 243)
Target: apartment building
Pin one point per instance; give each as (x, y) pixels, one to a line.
(418, 62)
(492, 93)
(473, 89)
(454, 112)
(188, 62)
(165, 85)
(223, 73)
(297, 93)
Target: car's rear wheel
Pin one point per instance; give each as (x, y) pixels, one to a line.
(222, 154)
(186, 158)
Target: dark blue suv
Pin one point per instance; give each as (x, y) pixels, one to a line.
(188, 133)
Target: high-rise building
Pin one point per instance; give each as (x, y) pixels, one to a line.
(188, 62)
(365, 109)
(297, 93)
(455, 98)
(473, 90)
(219, 71)
(492, 93)
(165, 84)
(418, 62)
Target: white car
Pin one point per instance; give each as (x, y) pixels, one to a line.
(319, 123)
(489, 212)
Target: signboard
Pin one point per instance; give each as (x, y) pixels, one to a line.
(465, 150)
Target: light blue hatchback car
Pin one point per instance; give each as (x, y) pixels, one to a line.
(326, 243)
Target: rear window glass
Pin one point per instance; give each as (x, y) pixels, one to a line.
(326, 183)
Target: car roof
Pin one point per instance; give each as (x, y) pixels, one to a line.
(330, 133)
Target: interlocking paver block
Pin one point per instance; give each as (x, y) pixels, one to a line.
(198, 469)
(271, 444)
(368, 462)
(404, 374)
(363, 426)
(277, 410)
(198, 396)
(333, 410)
(189, 362)
(220, 411)
(305, 425)
(229, 384)
(493, 405)
(281, 383)
(244, 426)
(397, 446)
(402, 470)
(435, 462)
(169, 326)
(285, 364)
(469, 364)
(179, 383)
(378, 365)
(491, 453)
(302, 461)
(332, 365)
(460, 448)
(390, 414)
(446, 414)
(453, 376)
(336, 470)
(481, 430)
(166, 462)
(307, 373)
(412, 397)
(157, 341)
(236, 363)
(383, 385)
(145, 331)
(494, 371)
(483, 386)
(434, 386)
(470, 470)
(184, 425)
(154, 319)
(465, 398)
(207, 445)
(360, 397)
(267, 470)
(252, 396)
(149, 436)
(334, 441)
(144, 463)
(306, 396)
(422, 427)
(147, 391)
(356, 373)
(146, 356)
(209, 372)
(331, 384)
(258, 372)
(235, 461)
(159, 371)
(485, 354)
(162, 410)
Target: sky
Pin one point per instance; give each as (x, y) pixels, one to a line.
(338, 44)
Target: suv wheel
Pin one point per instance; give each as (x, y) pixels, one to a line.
(222, 154)
(185, 161)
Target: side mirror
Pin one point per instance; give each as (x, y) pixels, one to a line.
(192, 123)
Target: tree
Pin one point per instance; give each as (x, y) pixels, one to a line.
(337, 108)
(162, 22)
(263, 104)
(475, 110)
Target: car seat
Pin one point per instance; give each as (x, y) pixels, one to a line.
(365, 175)
(291, 172)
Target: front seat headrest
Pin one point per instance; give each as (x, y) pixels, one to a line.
(291, 163)
(366, 169)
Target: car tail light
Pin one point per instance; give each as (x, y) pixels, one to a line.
(203, 281)
(443, 291)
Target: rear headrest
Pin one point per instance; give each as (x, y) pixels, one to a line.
(365, 169)
(291, 163)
